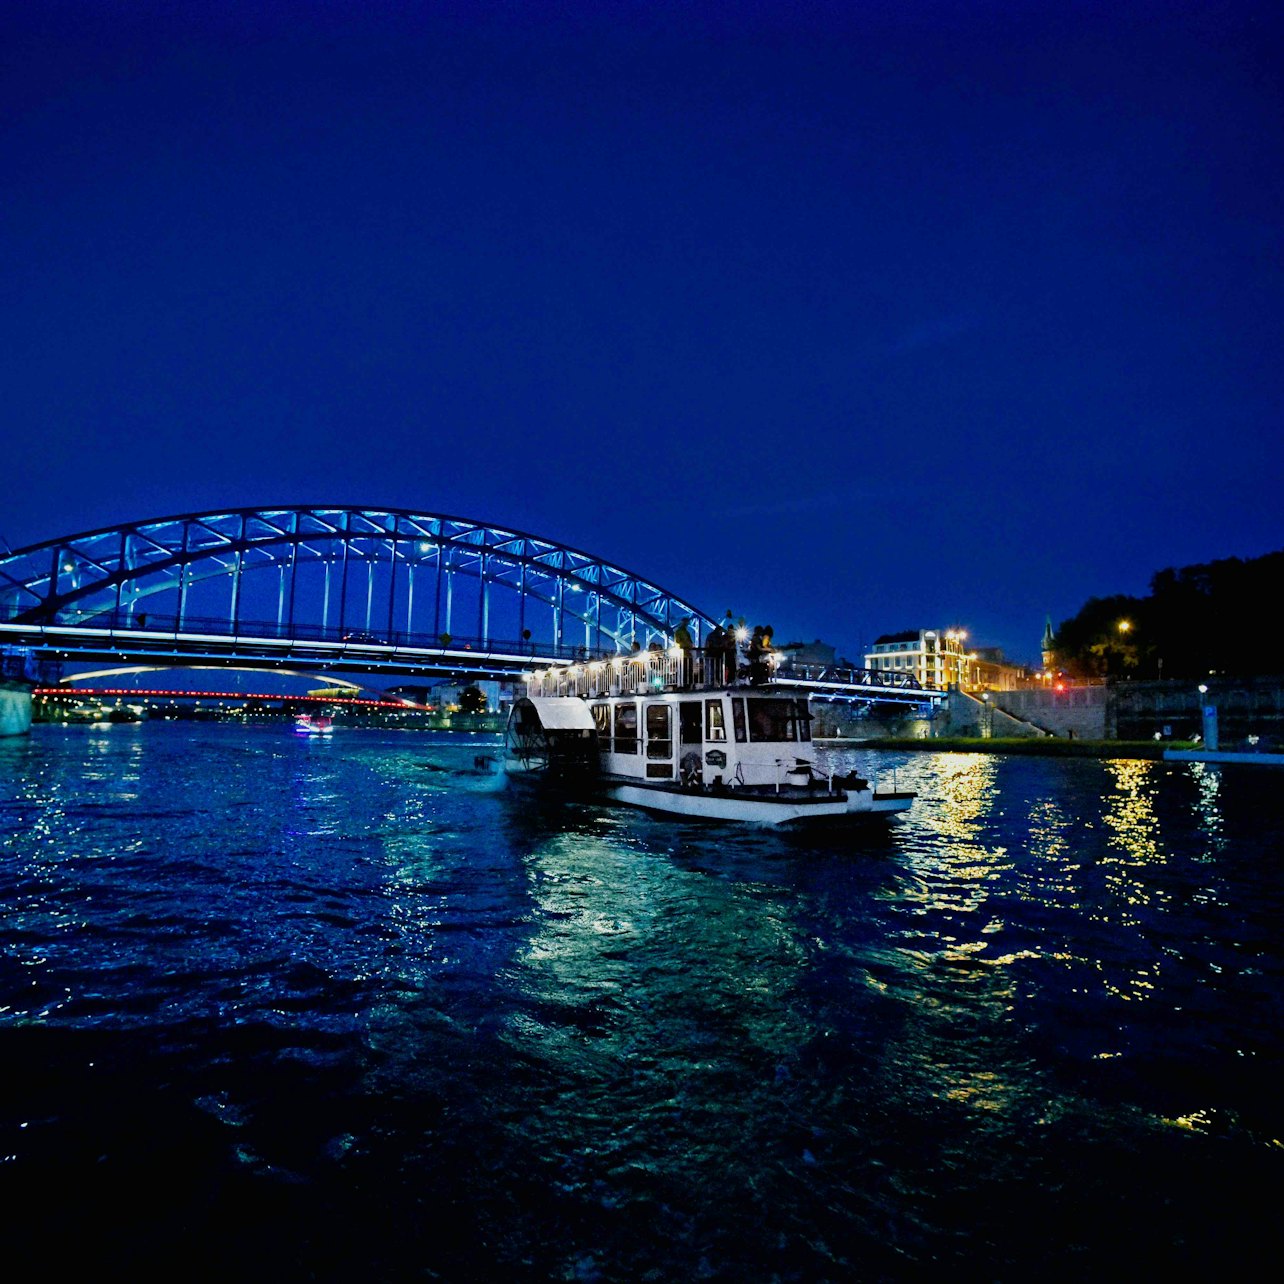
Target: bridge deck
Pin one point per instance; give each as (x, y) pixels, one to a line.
(549, 670)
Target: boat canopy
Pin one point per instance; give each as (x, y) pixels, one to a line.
(560, 714)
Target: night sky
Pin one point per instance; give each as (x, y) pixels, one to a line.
(849, 317)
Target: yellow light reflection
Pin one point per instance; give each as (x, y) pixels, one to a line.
(1134, 832)
(1134, 847)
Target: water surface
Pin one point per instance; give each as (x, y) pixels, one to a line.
(311, 1009)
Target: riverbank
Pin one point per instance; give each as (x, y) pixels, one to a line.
(1043, 746)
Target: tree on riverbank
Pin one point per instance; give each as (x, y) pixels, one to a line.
(472, 699)
(1196, 620)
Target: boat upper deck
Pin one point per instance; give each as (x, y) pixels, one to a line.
(642, 673)
(655, 672)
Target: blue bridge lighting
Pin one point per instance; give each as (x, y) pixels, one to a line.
(352, 589)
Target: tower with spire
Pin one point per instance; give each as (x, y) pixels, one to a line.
(1047, 647)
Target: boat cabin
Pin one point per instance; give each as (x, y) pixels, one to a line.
(671, 716)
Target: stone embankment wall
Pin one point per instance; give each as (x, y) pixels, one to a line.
(1081, 710)
(1123, 710)
(1032, 712)
(967, 715)
(840, 721)
(1173, 708)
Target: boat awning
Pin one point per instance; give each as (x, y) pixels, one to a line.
(558, 713)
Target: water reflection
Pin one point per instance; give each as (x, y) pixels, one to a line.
(952, 955)
(1208, 786)
(953, 873)
(1135, 839)
(712, 953)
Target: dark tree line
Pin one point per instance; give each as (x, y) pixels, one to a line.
(1196, 620)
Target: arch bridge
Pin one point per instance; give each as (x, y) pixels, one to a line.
(364, 590)
(356, 589)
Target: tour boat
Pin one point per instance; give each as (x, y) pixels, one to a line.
(314, 724)
(665, 731)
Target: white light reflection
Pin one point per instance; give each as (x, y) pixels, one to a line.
(1208, 786)
(717, 960)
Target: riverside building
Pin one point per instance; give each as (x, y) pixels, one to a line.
(939, 658)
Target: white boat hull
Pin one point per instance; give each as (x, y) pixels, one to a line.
(879, 803)
(783, 808)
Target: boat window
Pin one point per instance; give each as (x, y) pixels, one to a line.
(626, 727)
(714, 727)
(602, 720)
(804, 720)
(772, 721)
(690, 728)
(659, 734)
(738, 717)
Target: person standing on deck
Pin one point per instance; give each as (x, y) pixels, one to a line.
(761, 650)
(715, 652)
(757, 657)
(682, 640)
(731, 648)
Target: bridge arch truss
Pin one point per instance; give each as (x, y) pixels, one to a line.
(386, 575)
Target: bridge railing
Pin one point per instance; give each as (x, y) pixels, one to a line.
(852, 677)
(140, 623)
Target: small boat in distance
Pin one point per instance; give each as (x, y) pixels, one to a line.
(313, 724)
(667, 732)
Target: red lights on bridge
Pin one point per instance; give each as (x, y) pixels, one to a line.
(222, 695)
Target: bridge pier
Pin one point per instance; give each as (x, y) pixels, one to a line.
(15, 708)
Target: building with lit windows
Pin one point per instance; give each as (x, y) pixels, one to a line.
(939, 658)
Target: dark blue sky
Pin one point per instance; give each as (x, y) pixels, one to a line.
(850, 317)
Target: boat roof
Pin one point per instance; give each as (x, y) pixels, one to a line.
(557, 713)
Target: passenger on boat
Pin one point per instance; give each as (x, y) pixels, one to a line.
(759, 654)
(682, 640)
(755, 655)
(723, 651)
(715, 650)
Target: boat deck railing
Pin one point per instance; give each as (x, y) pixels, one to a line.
(643, 671)
(696, 669)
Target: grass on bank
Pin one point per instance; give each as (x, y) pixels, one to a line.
(1046, 746)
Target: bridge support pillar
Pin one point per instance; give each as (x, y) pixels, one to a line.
(15, 709)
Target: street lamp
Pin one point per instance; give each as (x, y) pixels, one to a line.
(1209, 711)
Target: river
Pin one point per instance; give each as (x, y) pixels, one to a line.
(313, 1008)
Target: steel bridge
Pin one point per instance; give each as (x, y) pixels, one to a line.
(347, 589)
